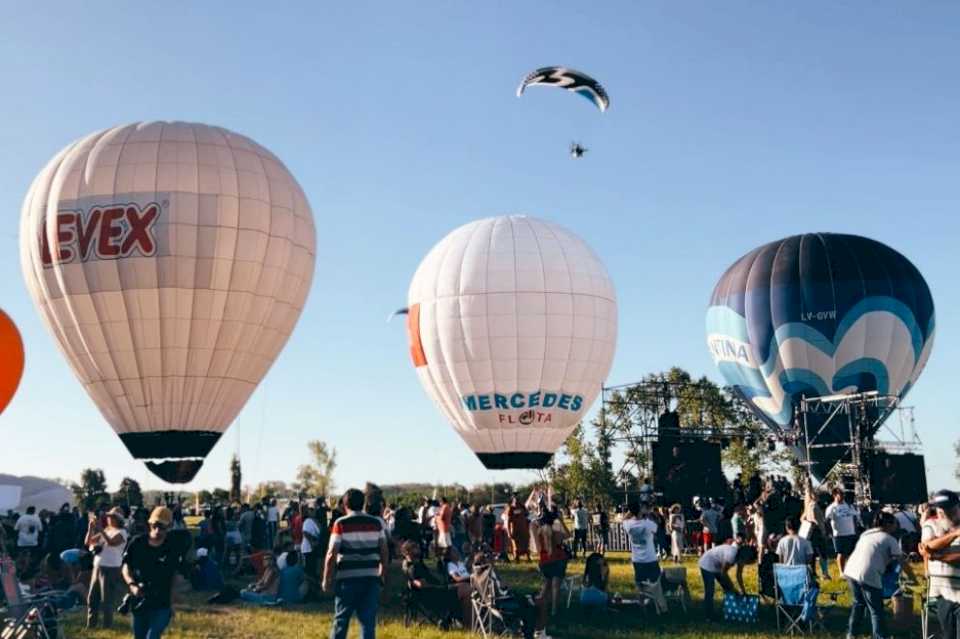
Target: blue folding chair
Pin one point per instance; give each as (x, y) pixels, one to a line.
(795, 597)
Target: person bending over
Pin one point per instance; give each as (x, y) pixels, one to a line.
(715, 565)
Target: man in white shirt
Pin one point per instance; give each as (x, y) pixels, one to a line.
(715, 564)
(311, 551)
(876, 550)
(28, 529)
(940, 545)
(581, 523)
(792, 549)
(642, 531)
(273, 523)
(843, 520)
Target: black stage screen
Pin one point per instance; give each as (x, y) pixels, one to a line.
(898, 479)
(682, 470)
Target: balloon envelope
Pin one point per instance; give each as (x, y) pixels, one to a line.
(513, 324)
(170, 261)
(11, 359)
(819, 314)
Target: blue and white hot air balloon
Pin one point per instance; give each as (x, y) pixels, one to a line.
(819, 314)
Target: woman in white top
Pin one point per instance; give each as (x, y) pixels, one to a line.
(108, 545)
(677, 525)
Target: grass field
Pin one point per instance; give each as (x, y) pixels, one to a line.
(197, 620)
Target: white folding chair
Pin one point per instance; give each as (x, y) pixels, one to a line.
(675, 586)
(573, 583)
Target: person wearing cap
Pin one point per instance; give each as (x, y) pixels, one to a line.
(150, 565)
(940, 546)
(107, 544)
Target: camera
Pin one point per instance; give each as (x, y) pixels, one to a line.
(131, 603)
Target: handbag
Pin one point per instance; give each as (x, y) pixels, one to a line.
(741, 608)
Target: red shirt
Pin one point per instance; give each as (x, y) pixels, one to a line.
(445, 518)
(296, 528)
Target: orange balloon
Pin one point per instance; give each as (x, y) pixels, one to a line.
(11, 359)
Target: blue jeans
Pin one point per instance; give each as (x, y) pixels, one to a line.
(151, 624)
(257, 597)
(709, 582)
(360, 596)
(870, 598)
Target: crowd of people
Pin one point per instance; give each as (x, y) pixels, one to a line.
(125, 560)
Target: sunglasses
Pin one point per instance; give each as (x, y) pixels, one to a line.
(159, 527)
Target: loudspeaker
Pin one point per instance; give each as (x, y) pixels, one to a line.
(682, 470)
(898, 479)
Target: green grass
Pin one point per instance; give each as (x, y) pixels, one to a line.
(197, 620)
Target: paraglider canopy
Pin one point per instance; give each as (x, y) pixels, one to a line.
(569, 79)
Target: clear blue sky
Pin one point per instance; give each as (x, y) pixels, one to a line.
(732, 124)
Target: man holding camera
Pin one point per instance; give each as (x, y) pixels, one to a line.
(150, 565)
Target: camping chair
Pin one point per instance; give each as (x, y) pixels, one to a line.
(495, 613)
(928, 608)
(793, 591)
(573, 583)
(27, 613)
(417, 608)
(674, 584)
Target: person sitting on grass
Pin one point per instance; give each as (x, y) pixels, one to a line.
(715, 564)
(205, 574)
(596, 576)
(264, 590)
(293, 583)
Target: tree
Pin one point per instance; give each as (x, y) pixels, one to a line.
(220, 496)
(236, 476)
(316, 479)
(91, 493)
(269, 490)
(129, 493)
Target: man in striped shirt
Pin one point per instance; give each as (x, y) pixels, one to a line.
(356, 567)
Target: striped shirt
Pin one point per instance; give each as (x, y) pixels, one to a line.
(944, 577)
(356, 539)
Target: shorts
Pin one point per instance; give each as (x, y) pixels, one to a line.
(554, 570)
(707, 537)
(444, 540)
(646, 572)
(844, 544)
(604, 535)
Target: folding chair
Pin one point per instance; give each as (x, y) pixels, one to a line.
(573, 583)
(486, 617)
(928, 607)
(674, 584)
(793, 588)
(27, 613)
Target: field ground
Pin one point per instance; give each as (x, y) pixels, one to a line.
(197, 620)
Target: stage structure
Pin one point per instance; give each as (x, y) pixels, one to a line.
(872, 423)
(644, 415)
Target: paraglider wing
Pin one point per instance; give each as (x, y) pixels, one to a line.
(512, 327)
(170, 261)
(816, 315)
(11, 359)
(568, 79)
(399, 311)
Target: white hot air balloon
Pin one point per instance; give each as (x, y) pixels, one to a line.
(170, 261)
(513, 325)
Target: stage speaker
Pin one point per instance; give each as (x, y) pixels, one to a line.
(898, 479)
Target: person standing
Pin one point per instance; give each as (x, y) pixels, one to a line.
(518, 528)
(940, 538)
(107, 562)
(150, 565)
(310, 548)
(444, 520)
(678, 526)
(356, 567)
(710, 519)
(601, 525)
(641, 531)
(273, 523)
(815, 522)
(843, 520)
(581, 523)
(28, 529)
(874, 553)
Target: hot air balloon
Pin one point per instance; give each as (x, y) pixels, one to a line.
(815, 315)
(512, 323)
(170, 261)
(11, 359)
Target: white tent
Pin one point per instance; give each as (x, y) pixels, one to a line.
(19, 493)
